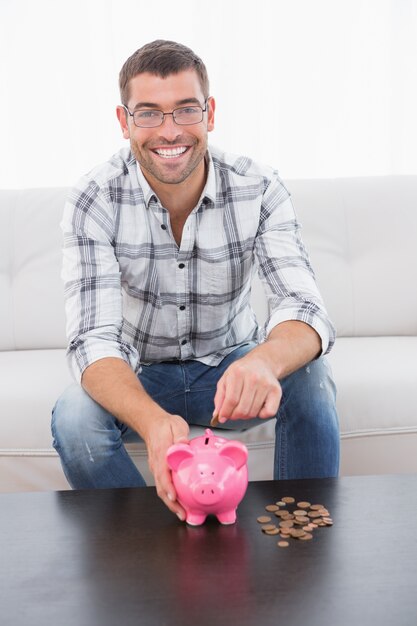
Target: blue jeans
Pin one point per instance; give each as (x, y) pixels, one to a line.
(90, 441)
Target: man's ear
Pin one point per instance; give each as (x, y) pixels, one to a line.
(211, 106)
(122, 117)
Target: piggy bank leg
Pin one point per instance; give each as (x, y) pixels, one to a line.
(195, 519)
(228, 517)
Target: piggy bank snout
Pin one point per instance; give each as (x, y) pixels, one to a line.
(207, 492)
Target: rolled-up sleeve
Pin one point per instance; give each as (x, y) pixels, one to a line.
(91, 275)
(285, 269)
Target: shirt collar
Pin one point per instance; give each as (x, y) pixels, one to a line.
(209, 191)
(147, 191)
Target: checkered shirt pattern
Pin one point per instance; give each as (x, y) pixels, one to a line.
(132, 293)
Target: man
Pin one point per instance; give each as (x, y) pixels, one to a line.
(160, 245)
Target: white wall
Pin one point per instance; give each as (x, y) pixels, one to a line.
(312, 87)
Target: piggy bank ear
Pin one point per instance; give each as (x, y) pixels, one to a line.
(177, 453)
(236, 451)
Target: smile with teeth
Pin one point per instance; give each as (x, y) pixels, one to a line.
(169, 153)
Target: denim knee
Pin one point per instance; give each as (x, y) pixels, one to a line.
(88, 440)
(76, 417)
(310, 391)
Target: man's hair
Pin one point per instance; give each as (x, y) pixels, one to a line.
(161, 58)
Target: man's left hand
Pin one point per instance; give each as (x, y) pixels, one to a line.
(247, 389)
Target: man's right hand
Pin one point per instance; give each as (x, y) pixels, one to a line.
(161, 432)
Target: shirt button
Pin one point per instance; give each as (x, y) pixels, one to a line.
(181, 265)
(182, 307)
(183, 342)
(163, 227)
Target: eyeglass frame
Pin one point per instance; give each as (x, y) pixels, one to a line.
(203, 110)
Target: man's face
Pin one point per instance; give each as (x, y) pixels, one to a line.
(169, 153)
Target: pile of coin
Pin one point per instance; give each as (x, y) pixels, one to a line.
(296, 520)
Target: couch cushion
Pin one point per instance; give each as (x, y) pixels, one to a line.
(31, 382)
(32, 311)
(377, 384)
(361, 234)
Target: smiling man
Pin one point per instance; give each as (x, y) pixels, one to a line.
(160, 246)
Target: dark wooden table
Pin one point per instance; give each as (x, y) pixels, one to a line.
(118, 557)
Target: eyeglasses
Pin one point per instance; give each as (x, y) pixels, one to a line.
(184, 116)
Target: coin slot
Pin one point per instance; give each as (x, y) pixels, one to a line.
(206, 441)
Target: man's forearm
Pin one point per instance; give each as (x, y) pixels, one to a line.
(114, 385)
(289, 346)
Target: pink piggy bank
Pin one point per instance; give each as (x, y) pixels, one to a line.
(210, 476)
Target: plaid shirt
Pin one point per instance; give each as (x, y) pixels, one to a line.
(132, 293)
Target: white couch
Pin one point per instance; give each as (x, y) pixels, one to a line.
(362, 238)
